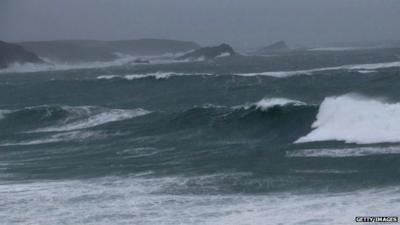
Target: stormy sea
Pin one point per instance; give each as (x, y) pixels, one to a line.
(310, 137)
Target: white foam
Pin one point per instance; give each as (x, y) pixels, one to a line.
(97, 119)
(361, 67)
(107, 77)
(355, 119)
(344, 152)
(278, 74)
(374, 66)
(211, 106)
(267, 103)
(33, 142)
(316, 209)
(156, 75)
(137, 201)
(62, 137)
(366, 71)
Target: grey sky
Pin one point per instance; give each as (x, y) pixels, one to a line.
(239, 22)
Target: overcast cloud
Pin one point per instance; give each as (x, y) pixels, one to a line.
(243, 23)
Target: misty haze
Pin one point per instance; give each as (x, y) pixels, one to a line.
(199, 112)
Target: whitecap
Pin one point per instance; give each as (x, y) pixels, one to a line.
(107, 77)
(111, 115)
(278, 74)
(61, 137)
(366, 71)
(374, 66)
(267, 103)
(355, 119)
(126, 198)
(156, 75)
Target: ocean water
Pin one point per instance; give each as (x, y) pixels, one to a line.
(295, 139)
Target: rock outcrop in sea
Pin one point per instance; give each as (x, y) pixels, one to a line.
(12, 53)
(73, 51)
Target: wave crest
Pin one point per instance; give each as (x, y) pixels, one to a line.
(97, 119)
(66, 118)
(267, 103)
(355, 119)
(156, 75)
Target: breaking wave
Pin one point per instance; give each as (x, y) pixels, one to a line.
(355, 119)
(267, 103)
(97, 119)
(67, 118)
(348, 118)
(248, 137)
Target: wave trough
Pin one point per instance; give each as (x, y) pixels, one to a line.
(344, 152)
